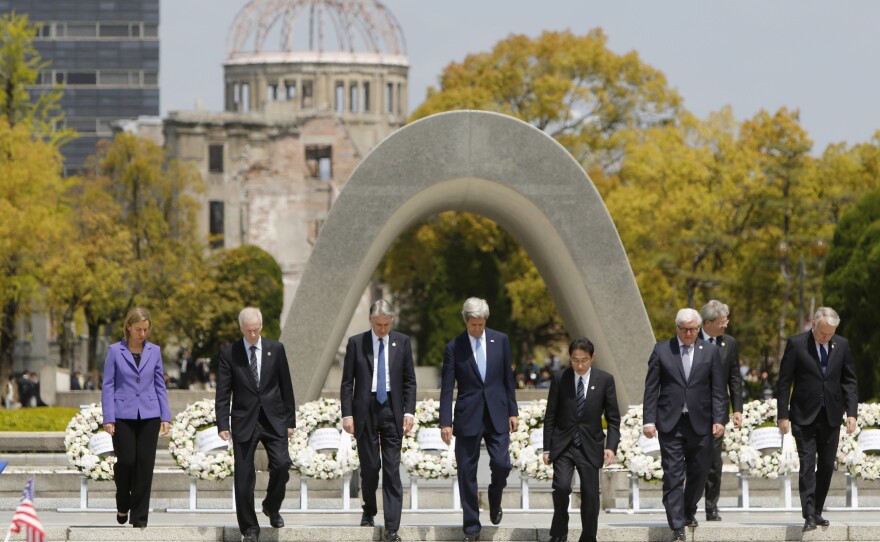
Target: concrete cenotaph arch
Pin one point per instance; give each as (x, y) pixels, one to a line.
(498, 167)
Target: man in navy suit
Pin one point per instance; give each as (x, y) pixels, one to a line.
(816, 385)
(685, 401)
(573, 437)
(254, 374)
(485, 409)
(378, 397)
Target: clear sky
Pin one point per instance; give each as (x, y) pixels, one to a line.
(817, 56)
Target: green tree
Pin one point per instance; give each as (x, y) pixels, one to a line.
(157, 202)
(29, 175)
(31, 223)
(576, 90)
(852, 277)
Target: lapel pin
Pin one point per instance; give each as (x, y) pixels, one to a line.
(268, 353)
(491, 340)
(701, 347)
(592, 387)
(722, 344)
(393, 344)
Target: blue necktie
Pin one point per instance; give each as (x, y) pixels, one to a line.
(381, 392)
(581, 399)
(823, 358)
(481, 360)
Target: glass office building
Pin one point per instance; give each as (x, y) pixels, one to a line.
(106, 54)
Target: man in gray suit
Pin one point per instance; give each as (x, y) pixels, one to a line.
(715, 319)
(684, 402)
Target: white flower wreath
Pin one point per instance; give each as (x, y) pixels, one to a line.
(215, 465)
(756, 463)
(629, 451)
(858, 463)
(524, 455)
(322, 464)
(87, 423)
(424, 464)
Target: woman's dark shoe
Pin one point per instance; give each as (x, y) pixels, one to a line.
(121, 518)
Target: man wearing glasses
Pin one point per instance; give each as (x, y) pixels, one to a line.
(684, 403)
(715, 319)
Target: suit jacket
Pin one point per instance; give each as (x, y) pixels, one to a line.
(802, 389)
(497, 393)
(730, 368)
(357, 378)
(235, 381)
(130, 390)
(561, 420)
(667, 391)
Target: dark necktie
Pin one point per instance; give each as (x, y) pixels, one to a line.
(712, 340)
(381, 391)
(823, 358)
(254, 369)
(581, 399)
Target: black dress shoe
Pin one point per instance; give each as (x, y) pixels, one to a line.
(820, 521)
(121, 518)
(275, 519)
(691, 521)
(472, 537)
(809, 523)
(391, 536)
(367, 520)
(713, 516)
(678, 534)
(495, 514)
(558, 539)
(140, 526)
(252, 535)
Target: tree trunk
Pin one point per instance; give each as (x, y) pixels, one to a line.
(7, 338)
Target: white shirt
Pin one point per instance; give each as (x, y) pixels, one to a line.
(259, 352)
(377, 361)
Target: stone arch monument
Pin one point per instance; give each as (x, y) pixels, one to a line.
(498, 167)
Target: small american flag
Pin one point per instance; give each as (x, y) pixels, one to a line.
(26, 516)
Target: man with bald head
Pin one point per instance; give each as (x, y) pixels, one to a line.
(816, 385)
(684, 404)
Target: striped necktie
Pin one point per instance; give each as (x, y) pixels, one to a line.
(581, 399)
(254, 369)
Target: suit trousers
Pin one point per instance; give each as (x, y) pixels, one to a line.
(713, 480)
(379, 447)
(246, 477)
(685, 457)
(573, 457)
(467, 454)
(134, 443)
(814, 478)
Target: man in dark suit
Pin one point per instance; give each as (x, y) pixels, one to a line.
(485, 409)
(684, 401)
(378, 396)
(816, 384)
(715, 316)
(254, 373)
(574, 439)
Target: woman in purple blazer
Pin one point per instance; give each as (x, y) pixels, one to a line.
(135, 405)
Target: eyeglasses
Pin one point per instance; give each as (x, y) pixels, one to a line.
(688, 329)
(581, 360)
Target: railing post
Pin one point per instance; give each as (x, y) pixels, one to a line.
(785, 489)
(193, 499)
(456, 498)
(743, 499)
(852, 491)
(303, 493)
(346, 492)
(413, 493)
(83, 492)
(634, 503)
(524, 489)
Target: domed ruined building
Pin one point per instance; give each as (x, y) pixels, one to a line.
(310, 87)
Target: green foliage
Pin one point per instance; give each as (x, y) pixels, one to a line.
(36, 419)
(20, 65)
(852, 278)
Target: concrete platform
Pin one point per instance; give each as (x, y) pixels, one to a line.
(532, 527)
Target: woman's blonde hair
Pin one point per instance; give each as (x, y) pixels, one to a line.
(135, 315)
